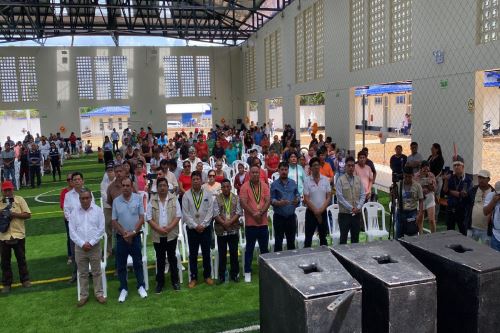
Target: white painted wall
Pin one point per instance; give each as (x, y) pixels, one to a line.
(439, 115)
(58, 96)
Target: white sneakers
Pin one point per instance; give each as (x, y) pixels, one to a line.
(123, 296)
(142, 292)
(248, 277)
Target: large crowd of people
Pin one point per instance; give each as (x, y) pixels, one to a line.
(214, 187)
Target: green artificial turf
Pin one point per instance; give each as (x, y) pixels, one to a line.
(51, 307)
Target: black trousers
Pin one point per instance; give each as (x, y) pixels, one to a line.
(115, 145)
(6, 247)
(68, 239)
(166, 249)
(223, 242)
(456, 215)
(312, 224)
(56, 166)
(284, 226)
(197, 240)
(348, 222)
(35, 172)
(108, 157)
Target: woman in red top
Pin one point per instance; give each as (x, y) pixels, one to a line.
(185, 178)
(219, 173)
(264, 143)
(272, 162)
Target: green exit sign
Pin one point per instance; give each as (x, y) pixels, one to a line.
(443, 84)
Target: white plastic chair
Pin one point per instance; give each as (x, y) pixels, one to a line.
(333, 222)
(370, 219)
(211, 161)
(244, 157)
(144, 256)
(104, 261)
(275, 176)
(186, 240)
(300, 212)
(228, 171)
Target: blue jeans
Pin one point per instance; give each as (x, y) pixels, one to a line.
(255, 234)
(10, 173)
(495, 243)
(123, 250)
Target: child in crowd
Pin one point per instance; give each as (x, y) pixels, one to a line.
(100, 155)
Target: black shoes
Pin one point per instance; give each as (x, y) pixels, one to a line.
(176, 286)
(158, 290)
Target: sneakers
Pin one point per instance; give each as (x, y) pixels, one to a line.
(82, 302)
(176, 286)
(209, 281)
(142, 292)
(192, 284)
(123, 296)
(101, 299)
(248, 277)
(235, 279)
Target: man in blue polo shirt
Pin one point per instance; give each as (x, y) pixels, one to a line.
(284, 198)
(127, 218)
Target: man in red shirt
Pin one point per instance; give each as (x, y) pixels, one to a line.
(201, 149)
(142, 133)
(255, 199)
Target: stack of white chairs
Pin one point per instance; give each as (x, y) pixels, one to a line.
(373, 229)
(103, 263)
(300, 212)
(17, 173)
(332, 212)
(275, 176)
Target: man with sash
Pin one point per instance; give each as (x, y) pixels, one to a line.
(163, 215)
(227, 212)
(255, 200)
(197, 213)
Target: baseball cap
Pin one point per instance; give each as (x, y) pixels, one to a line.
(110, 166)
(484, 174)
(7, 185)
(458, 160)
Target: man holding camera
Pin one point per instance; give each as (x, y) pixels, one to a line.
(12, 235)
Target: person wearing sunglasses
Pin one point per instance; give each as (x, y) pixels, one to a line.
(184, 179)
(212, 185)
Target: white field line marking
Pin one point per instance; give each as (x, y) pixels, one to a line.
(244, 329)
(58, 189)
(37, 198)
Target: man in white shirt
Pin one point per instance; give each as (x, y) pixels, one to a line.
(492, 206)
(317, 197)
(86, 227)
(72, 198)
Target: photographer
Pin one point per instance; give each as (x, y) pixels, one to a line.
(12, 235)
(398, 162)
(410, 198)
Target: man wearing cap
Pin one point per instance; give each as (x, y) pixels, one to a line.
(492, 207)
(477, 223)
(13, 237)
(456, 186)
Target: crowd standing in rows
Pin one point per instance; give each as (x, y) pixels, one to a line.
(221, 183)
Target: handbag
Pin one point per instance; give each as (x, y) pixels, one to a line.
(5, 218)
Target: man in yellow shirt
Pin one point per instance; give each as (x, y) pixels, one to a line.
(12, 236)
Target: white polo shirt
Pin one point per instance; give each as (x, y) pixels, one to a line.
(317, 192)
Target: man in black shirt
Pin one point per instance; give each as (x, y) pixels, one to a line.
(398, 162)
(35, 159)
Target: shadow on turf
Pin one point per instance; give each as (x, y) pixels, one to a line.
(211, 325)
